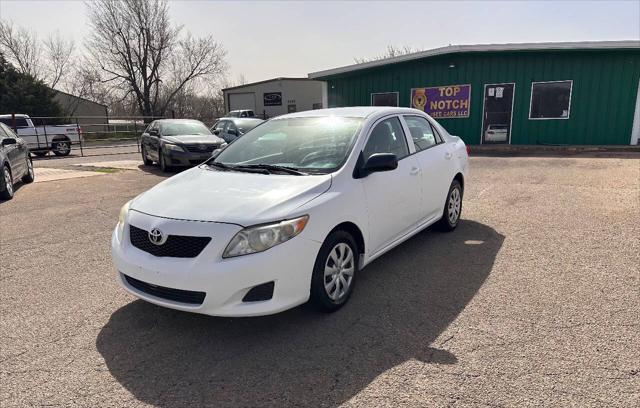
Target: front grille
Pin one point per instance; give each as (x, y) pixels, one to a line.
(177, 295)
(176, 246)
(198, 148)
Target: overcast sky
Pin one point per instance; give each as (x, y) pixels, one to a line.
(271, 39)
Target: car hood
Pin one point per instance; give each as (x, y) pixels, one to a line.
(203, 194)
(193, 139)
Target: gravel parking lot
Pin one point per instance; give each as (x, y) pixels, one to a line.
(534, 300)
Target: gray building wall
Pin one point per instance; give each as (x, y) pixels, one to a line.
(300, 94)
(77, 107)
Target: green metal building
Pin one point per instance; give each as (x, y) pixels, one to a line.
(584, 93)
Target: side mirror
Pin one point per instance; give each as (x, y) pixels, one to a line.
(9, 141)
(216, 132)
(375, 163)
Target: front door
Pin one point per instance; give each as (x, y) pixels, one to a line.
(497, 113)
(393, 198)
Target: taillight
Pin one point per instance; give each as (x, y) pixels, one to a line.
(468, 150)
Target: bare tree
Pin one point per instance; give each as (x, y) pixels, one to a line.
(143, 54)
(21, 48)
(391, 52)
(58, 53)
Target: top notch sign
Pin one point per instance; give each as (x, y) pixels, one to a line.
(451, 101)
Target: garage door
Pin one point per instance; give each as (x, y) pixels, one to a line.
(242, 101)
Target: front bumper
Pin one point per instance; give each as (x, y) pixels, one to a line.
(185, 159)
(225, 282)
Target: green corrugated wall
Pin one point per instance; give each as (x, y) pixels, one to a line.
(605, 84)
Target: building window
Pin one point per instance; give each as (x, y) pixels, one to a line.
(550, 100)
(384, 99)
(317, 105)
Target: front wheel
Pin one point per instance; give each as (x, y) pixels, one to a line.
(334, 272)
(7, 193)
(62, 148)
(452, 208)
(162, 162)
(145, 158)
(30, 174)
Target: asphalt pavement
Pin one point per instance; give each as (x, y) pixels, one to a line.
(532, 301)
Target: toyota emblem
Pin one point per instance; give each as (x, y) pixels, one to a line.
(157, 237)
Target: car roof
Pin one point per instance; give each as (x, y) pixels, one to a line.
(18, 116)
(176, 120)
(236, 119)
(352, 112)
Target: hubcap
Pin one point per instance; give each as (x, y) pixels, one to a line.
(338, 271)
(63, 147)
(7, 181)
(453, 209)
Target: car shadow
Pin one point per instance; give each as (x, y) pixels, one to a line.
(155, 170)
(403, 301)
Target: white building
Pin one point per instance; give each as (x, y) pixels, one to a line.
(277, 96)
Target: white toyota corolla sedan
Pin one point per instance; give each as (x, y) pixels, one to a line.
(290, 212)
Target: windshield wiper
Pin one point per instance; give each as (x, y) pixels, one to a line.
(229, 167)
(274, 167)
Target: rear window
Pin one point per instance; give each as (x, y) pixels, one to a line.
(20, 122)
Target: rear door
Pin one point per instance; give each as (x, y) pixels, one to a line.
(393, 198)
(436, 164)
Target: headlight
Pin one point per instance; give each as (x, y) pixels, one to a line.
(173, 147)
(122, 218)
(262, 237)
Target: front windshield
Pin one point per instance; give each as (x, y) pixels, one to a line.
(246, 125)
(184, 128)
(314, 144)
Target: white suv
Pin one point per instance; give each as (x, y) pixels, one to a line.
(290, 212)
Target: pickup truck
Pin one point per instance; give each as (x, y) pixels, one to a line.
(42, 139)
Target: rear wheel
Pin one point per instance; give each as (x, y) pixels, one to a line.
(334, 272)
(7, 192)
(452, 208)
(29, 175)
(62, 148)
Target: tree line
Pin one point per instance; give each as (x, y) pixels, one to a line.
(134, 60)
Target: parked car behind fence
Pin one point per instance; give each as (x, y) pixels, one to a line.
(45, 138)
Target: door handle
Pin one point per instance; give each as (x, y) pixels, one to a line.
(414, 171)
(448, 155)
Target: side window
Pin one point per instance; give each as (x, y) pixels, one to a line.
(422, 133)
(387, 137)
(220, 125)
(8, 132)
(231, 127)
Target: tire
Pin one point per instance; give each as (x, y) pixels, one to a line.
(61, 148)
(452, 208)
(40, 153)
(30, 174)
(145, 159)
(327, 282)
(7, 192)
(162, 162)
